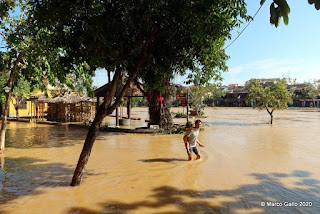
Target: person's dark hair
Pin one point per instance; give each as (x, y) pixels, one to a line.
(197, 121)
(188, 124)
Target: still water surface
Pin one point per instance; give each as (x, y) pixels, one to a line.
(245, 162)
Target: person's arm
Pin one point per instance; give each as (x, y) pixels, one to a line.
(201, 145)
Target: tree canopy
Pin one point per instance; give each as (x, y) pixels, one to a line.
(275, 97)
(173, 35)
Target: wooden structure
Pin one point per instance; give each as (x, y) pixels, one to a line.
(70, 108)
(135, 90)
(38, 107)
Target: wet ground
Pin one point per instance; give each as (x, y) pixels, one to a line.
(247, 166)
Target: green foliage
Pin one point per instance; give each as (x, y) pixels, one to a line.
(3, 82)
(280, 8)
(310, 91)
(275, 97)
(138, 101)
(172, 36)
(180, 115)
(20, 92)
(316, 3)
(41, 62)
(197, 95)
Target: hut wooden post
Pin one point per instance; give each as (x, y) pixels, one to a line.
(42, 110)
(31, 109)
(36, 111)
(81, 111)
(129, 107)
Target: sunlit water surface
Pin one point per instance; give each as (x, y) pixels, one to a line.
(246, 162)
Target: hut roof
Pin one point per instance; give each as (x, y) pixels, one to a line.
(133, 91)
(67, 98)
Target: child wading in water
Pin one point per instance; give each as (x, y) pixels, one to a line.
(190, 139)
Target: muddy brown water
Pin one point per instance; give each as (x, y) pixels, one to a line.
(246, 163)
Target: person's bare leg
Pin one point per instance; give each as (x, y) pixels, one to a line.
(198, 156)
(189, 157)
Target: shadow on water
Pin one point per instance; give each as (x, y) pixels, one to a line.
(22, 176)
(244, 198)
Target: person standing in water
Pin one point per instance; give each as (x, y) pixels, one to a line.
(191, 139)
(188, 127)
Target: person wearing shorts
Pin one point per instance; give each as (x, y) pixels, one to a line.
(191, 140)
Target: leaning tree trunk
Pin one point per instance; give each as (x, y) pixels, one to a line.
(87, 147)
(107, 108)
(160, 115)
(104, 109)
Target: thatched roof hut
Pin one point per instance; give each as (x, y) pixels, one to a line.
(70, 108)
(67, 99)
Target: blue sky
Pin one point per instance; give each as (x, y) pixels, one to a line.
(263, 51)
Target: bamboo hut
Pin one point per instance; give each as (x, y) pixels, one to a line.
(70, 108)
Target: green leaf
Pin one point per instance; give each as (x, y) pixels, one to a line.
(317, 4)
(283, 5)
(262, 2)
(285, 19)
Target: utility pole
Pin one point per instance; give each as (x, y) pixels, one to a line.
(188, 104)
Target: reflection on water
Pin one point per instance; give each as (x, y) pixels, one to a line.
(245, 162)
(20, 176)
(231, 124)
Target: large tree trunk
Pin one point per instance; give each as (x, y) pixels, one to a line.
(87, 147)
(104, 109)
(160, 115)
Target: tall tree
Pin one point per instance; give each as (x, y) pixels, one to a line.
(138, 38)
(10, 29)
(275, 97)
(25, 52)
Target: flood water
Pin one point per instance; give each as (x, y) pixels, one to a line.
(246, 162)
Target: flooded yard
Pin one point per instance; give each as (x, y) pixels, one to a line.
(247, 166)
